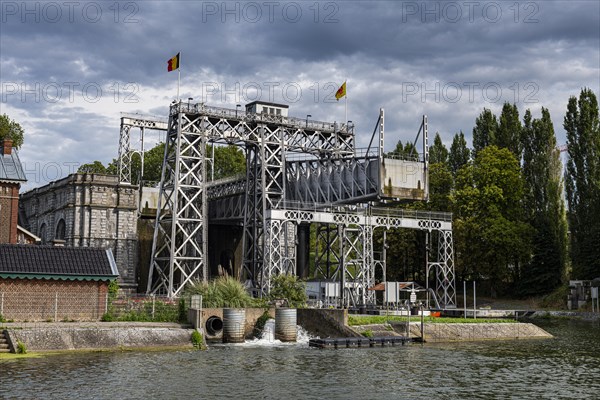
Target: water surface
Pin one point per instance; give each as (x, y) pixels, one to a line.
(567, 367)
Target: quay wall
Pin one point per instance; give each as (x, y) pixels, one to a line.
(48, 337)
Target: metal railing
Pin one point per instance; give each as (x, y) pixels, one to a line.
(242, 115)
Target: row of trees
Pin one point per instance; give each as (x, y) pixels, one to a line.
(229, 161)
(507, 197)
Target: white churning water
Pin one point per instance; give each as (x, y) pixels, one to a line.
(268, 337)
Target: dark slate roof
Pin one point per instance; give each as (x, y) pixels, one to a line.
(11, 168)
(50, 262)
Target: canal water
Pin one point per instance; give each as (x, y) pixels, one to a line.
(567, 367)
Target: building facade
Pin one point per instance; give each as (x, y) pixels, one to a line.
(87, 210)
(11, 178)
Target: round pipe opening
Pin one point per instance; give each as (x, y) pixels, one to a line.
(214, 325)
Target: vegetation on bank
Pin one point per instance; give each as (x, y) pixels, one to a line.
(229, 292)
(354, 320)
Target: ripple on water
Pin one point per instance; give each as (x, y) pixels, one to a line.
(562, 368)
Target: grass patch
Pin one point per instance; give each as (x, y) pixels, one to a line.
(13, 356)
(21, 347)
(354, 320)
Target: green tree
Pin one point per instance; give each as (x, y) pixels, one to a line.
(484, 132)
(544, 206)
(492, 239)
(229, 161)
(95, 167)
(404, 151)
(460, 154)
(440, 186)
(508, 134)
(438, 153)
(582, 179)
(10, 129)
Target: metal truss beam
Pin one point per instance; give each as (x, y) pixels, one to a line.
(280, 191)
(125, 151)
(180, 255)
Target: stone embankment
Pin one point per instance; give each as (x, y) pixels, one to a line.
(98, 336)
(458, 332)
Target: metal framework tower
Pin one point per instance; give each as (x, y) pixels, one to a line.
(298, 172)
(129, 121)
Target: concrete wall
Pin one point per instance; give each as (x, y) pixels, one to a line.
(404, 179)
(325, 322)
(479, 331)
(92, 338)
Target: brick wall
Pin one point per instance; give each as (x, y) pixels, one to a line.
(56, 300)
(9, 211)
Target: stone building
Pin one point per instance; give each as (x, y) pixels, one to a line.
(87, 210)
(11, 178)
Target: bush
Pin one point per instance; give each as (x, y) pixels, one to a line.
(197, 340)
(21, 347)
(557, 299)
(2, 319)
(221, 292)
(182, 309)
(288, 287)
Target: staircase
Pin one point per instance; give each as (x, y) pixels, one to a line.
(4, 346)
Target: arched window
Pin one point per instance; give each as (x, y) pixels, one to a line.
(60, 230)
(42, 233)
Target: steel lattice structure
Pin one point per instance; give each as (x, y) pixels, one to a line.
(129, 121)
(298, 172)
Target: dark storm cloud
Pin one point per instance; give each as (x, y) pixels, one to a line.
(405, 56)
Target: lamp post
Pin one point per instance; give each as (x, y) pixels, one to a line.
(307, 117)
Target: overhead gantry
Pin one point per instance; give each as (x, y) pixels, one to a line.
(299, 172)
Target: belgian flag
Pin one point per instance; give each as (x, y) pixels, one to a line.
(173, 63)
(341, 92)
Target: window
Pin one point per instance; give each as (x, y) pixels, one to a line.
(42, 233)
(60, 230)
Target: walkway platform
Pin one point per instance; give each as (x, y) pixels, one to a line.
(353, 342)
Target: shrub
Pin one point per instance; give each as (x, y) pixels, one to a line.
(288, 287)
(2, 319)
(197, 339)
(21, 347)
(368, 333)
(556, 299)
(221, 292)
(182, 310)
(107, 317)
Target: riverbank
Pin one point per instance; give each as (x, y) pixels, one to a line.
(42, 337)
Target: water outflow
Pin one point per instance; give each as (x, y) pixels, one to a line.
(268, 337)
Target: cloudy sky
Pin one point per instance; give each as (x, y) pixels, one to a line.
(68, 69)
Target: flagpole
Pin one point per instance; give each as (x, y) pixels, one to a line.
(346, 104)
(178, 81)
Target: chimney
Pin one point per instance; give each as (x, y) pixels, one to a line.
(7, 147)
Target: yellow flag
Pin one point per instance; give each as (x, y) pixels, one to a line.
(341, 92)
